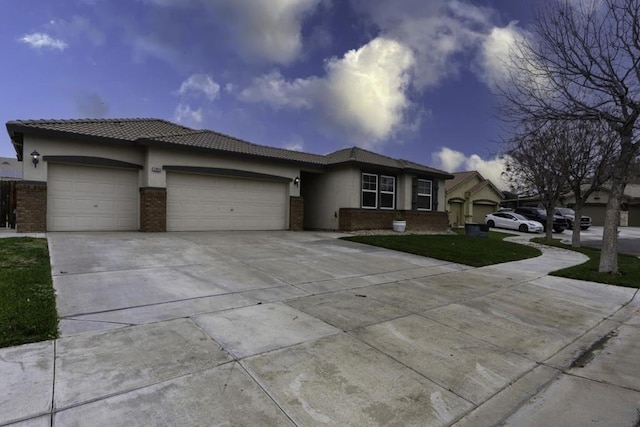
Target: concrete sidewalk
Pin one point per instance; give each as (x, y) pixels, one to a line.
(280, 328)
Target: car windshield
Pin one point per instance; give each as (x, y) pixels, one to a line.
(565, 211)
(520, 217)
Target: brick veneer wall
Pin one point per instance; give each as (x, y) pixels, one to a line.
(153, 209)
(352, 219)
(31, 207)
(296, 213)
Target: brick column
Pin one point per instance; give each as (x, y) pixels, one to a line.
(153, 209)
(31, 207)
(296, 213)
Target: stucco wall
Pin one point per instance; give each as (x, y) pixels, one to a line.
(138, 155)
(159, 157)
(324, 195)
(62, 147)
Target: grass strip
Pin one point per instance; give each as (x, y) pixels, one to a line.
(628, 266)
(27, 299)
(458, 248)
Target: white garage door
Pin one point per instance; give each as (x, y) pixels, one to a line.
(203, 202)
(83, 198)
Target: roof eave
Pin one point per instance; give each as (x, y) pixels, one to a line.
(151, 142)
(15, 128)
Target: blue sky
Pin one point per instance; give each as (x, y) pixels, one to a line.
(410, 79)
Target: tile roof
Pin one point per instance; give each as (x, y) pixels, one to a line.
(459, 178)
(462, 177)
(219, 142)
(359, 155)
(121, 129)
(150, 131)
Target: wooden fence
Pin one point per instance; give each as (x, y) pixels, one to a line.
(8, 204)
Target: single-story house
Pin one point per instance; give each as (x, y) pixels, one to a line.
(153, 175)
(469, 197)
(596, 204)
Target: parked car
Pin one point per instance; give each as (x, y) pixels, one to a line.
(512, 221)
(570, 216)
(538, 214)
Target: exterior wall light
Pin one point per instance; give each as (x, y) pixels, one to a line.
(35, 158)
(296, 181)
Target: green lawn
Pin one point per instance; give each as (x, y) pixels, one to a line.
(27, 300)
(628, 266)
(473, 251)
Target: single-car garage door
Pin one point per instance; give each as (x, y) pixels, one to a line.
(481, 210)
(83, 198)
(203, 202)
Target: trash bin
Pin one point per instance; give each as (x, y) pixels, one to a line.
(476, 230)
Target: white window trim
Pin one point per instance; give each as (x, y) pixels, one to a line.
(393, 193)
(430, 196)
(362, 191)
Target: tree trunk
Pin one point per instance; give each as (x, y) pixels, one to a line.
(549, 227)
(609, 253)
(577, 222)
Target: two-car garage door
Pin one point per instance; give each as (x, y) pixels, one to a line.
(82, 198)
(203, 202)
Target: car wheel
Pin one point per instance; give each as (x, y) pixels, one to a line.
(558, 230)
(584, 228)
(491, 224)
(523, 228)
(570, 227)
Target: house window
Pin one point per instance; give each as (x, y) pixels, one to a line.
(378, 191)
(387, 192)
(424, 193)
(369, 191)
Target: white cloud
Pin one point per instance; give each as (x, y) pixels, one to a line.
(43, 41)
(366, 89)
(455, 161)
(448, 159)
(440, 32)
(268, 30)
(295, 143)
(363, 93)
(197, 84)
(495, 52)
(187, 116)
(275, 90)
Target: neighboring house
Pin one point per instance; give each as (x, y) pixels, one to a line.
(596, 204)
(154, 175)
(469, 197)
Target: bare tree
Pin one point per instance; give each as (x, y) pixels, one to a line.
(538, 158)
(582, 62)
(592, 146)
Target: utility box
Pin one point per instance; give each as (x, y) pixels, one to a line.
(476, 230)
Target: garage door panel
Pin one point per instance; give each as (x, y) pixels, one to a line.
(200, 202)
(91, 198)
(482, 210)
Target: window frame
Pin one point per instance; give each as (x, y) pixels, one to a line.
(419, 195)
(363, 190)
(392, 193)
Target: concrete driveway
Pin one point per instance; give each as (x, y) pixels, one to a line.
(282, 328)
(628, 239)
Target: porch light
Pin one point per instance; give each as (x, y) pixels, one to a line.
(35, 158)
(296, 181)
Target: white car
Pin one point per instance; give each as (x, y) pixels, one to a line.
(513, 221)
